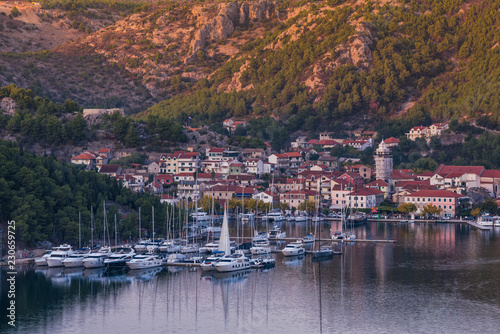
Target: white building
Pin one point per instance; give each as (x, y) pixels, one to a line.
(383, 162)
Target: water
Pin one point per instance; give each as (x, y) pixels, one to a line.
(437, 278)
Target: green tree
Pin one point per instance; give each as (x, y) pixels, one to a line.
(15, 12)
(431, 210)
(407, 208)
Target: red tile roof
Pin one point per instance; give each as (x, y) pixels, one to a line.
(391, 140)
(109, 169)
(216, 150)
(378, 183)
(491, 173)
(84, 156)
(435, 193)
(460, 169)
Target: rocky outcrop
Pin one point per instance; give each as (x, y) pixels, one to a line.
(229, 15)
(8, 106)
(357, 51)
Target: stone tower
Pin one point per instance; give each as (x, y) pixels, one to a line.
(383, 162)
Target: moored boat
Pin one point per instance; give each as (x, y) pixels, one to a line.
(293, 249)
(143, 261)
(58, 255)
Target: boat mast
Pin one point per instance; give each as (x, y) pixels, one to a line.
(116, 232)
(139, 223)
(79, 229)
(92, 228)
(153, 212)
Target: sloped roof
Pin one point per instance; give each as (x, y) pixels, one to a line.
(378, 183)
(110, 169)
(435, 193)
(460, 169)
(491, 173)
(391, 140)
(84, 156)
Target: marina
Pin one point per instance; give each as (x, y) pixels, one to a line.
(448, 270)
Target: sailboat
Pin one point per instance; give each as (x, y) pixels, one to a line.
(96, 260)
(229, 262)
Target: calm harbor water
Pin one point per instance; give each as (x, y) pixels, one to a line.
(437, 278)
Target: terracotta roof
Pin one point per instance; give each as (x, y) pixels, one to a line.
(216, 149)
(461, 169)
(395, 175)
(426, 174)
(391, 140)
(366, 192)
(435, 193)
(104, 150)
(84, 156)
(167, 197)
(109, 169)
(419, 128)
(324, 142)
(312, 141)
(378, 183)
(491, 173)
(293, 154)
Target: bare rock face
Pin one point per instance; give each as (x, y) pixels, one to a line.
(357, 50)
(223, 24)
(8, 105)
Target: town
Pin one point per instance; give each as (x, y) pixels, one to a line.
(308, 173)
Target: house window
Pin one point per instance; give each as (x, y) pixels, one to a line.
(439, 199)
(429, 199)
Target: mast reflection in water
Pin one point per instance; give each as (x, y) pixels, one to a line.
(437, 278)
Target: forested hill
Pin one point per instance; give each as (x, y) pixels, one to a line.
(311, 65)
(44, 197)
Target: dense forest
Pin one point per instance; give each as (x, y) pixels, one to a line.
(39, 120)
(45, 197)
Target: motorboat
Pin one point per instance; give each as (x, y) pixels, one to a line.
(169, 246)
(58, 255)
(176, 258)
(262, 263)
(322, 252)
(209, 263)
(309, 238)
(485, 220)
(200, 218)
(142, 245)
(247, 217)
(276, 233)
(293, 249)
(96, 260)
(260, 248)
(358, 218)
(76, 259)
(232, 262)
(209, 247)
(274, 217)
(301, 218)
(337, 235)
(42, 261)
(317, 218)
(143, 261)
(193, 248)
(290, 218)
(120, 257)
(260, 237)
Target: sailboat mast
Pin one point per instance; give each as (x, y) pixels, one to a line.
(79, 229)
(139, 223)
(153, 209)
(116, 232)
(92, 227)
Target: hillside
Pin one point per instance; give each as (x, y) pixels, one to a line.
(311, 65)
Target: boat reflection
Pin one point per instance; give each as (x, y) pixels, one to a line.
(294, 260)
(144, 274)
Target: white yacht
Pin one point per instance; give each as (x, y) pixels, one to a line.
(293, 249)
(119, 257)
(247, 217)
(260, 248)
(232, 262)
(200, 218)
(485, 220)
(309, 238)
(144, 261)
(58, 255)
(76, 259)
(42, 261)
(323, 252)
(260, 237)
(276, 233)
(169, 246)
(274, 217)
(96, 260)
(209, 263)
(192, 248)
